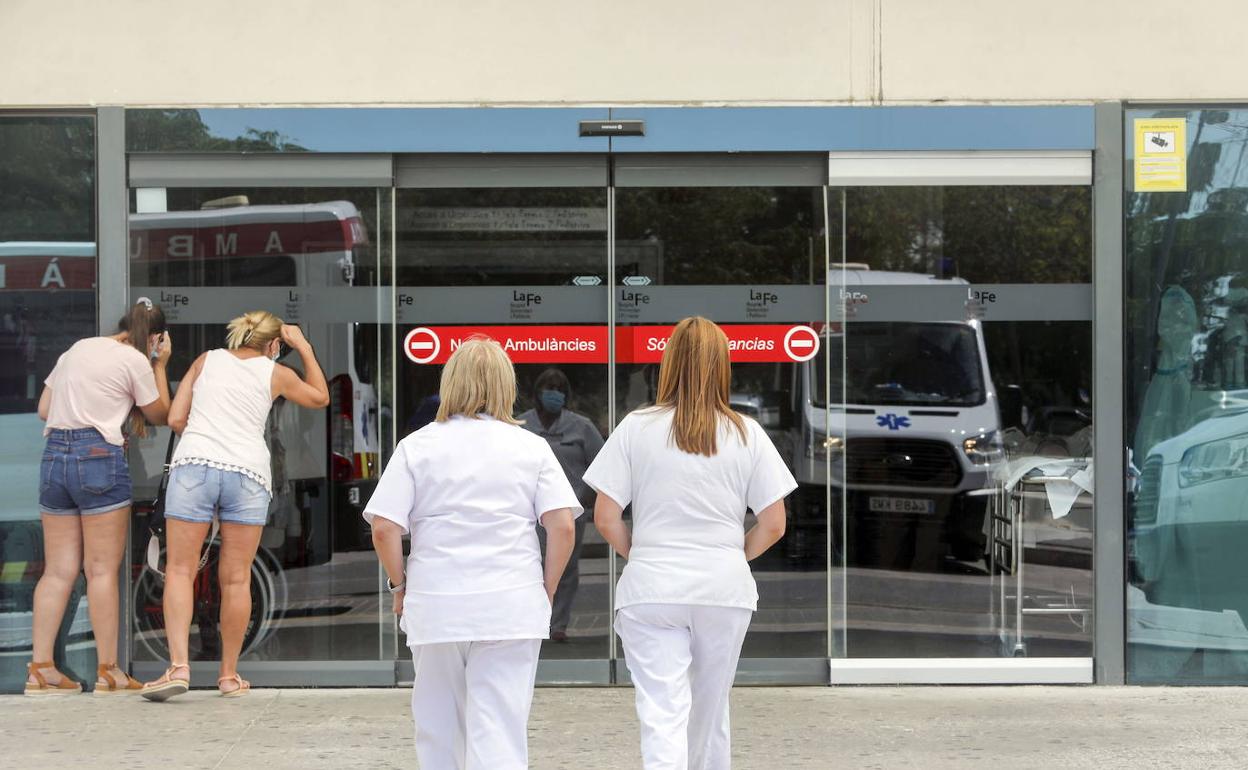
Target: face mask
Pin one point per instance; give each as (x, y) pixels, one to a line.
(552, 401)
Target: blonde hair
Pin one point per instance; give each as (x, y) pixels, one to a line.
(695, 378)
(254, 329)
(478, 379)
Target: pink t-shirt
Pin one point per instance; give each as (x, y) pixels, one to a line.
(96, 383)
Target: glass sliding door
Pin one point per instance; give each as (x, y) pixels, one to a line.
(47, 303)
(965, 408)
(318, 257)
(516, 248)
(742, 241)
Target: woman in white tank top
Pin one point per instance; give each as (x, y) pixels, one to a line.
(221, 469)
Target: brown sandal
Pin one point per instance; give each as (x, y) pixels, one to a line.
(106, 684)
(166, 686)
(243, 688)
(41, 687)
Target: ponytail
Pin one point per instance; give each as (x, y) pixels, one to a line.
(254, 329)
(139, 323)
(142, 321)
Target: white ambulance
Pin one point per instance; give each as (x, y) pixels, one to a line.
(911, 429)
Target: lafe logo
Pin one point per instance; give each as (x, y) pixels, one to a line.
(892, 421)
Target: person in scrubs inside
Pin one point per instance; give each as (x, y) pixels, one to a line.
(690, 466)
(575, 441)
(474, 598)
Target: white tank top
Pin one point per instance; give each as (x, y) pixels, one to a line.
(232, 399)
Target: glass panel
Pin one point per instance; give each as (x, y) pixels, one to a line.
(525, 266)
(752, 259)
(312, 256)
(967, 355)
(47, 302)
(1186, 399)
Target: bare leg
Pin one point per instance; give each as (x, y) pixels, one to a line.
(185, 544)
(104, 543)
(62, 557)
(238, 549)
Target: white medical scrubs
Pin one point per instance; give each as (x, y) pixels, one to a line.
(685, 598)
(471, 493)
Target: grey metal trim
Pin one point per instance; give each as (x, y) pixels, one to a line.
(429, 171)
(894, 671)
(550, 673)
(973, 167)
(260, 170)
(1109, 546)
(112, 216)
(732, 170)
(777, 672)
(302, 673)
(113, 278)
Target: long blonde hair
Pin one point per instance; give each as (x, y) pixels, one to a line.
(695, 378)
(254, 329)
(478, 379)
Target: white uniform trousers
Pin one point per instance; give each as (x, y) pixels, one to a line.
(470, 703)
(683, 659)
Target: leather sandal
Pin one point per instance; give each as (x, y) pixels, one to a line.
(243, 688)
(107, 684)
(41, 687)
(166, 686)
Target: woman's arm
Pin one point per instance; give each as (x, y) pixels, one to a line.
(45, 403)
(560, 537)
(313, 392)
(388, 542)
(766, 532)
(180, 410)
(157, 412)
(609, 519)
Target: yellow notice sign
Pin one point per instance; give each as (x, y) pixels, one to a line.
(1161, 155)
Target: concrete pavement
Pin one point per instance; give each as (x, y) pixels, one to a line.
(786, 728)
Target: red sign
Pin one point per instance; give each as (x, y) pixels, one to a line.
(801, 343)
(748, 343)
(524, 344)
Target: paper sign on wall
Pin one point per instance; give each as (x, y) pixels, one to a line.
(1161, 155)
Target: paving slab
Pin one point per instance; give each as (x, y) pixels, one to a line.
(578, 728)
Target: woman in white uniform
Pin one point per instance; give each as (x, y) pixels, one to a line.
(690, 467)
(471, 488)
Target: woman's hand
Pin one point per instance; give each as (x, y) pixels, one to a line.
(292, 335)
(164, 349)
(398, 603)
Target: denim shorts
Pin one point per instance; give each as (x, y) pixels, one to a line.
(198, 492)
(82, 474)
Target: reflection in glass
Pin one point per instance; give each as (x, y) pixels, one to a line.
(512, 257)
(1186, 406)
(47, 302)
(950, 410)
(212, 255)
(732, 239)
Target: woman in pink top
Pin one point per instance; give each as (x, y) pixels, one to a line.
(84, 484)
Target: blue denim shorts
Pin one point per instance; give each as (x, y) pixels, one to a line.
(82, 474)
(198, 492)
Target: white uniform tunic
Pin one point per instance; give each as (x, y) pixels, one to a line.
(688, 510)
(470, 492)
(686, 595)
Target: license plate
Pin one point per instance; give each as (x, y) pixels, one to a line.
(901, 505)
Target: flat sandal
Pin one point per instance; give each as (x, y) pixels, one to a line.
(243, 688)
(41, 687)
(106, 684)
(167, 687)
